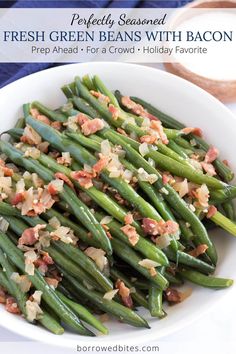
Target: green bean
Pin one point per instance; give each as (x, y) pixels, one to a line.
(18, 294)
(180, 151)
(172, 279)
(49, 112)
(155, 299)
(47, 320)
(172, 198)
(226, 224)
(83, 313)
(110, 306)
(82, 212)
(26, 109)
(144, 246)
(48, 295)
(170, 122)
(83, 106)
(80, 232)
(136, 295)
(69, 255)
(229, 210)
(206, 281)
(131, 257)
(186, 232)
(79, 258)
(188, 260)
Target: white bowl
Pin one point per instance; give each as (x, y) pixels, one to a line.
(172, 95)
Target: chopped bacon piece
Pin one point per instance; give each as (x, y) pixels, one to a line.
(92, 126)
(102, 98)
(30, 236)
(211, 154)
(47, 259)
(8, 172)
(18, 198)
(131, 233)
(157, 126)
(34, 112)
(100, 164)
(84, 178)
(195, 131)
(11, 306)
(173, 295)
(114, 111)
(56, 125)
(52, 189)
(128, 219)
(124, 293)
(41, 265)
(211, 211)
(161, 227)
(81, 118)
(43, 147)
(200, 249)
(149, 139)
(165, 178)
(64, 178)
(52, 282)
(134, 107)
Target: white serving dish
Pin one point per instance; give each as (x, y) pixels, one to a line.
(175, 96)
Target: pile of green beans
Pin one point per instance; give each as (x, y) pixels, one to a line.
(85, 287)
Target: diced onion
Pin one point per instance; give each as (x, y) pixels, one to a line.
(110, 294)
(106, 220)
(143, 149)
(148, 263)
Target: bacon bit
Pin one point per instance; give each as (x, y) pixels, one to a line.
(119, 199)
(43, 119)
(131, 233)
(65, 159)
(200, 249)
(8, 172)
(134, 107)
(34, 112)
(211, 155)
(64, 178)
(174, 296)
(124, 293)
(100, 164)
(202, 196)
(11, 306)
(30, 136)
(128, 219)
(226, 163)
(56, 274)
(161, 227)
(152, 272)
(211, 211)
(18, 198)
(81, 118)
(41, 265)
(121, 131)
(195, 131)
(84, 178)
(52, 282)
(2, 296)
(56, 125)
(30, 236)
(114, 111)
(157, 126)
(165, 178)
(47, 259)
(149, 139)
(92, 126)
(102, 98)
(52, 189)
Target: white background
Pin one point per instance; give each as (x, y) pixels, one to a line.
(214, 333)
